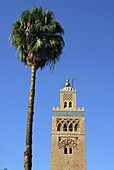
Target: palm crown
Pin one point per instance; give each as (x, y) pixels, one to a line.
(38, 38)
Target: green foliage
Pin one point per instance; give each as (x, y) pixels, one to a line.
(38, 32)
(37, 45)
(25, 15)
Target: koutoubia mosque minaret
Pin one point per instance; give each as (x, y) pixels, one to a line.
(68, 133)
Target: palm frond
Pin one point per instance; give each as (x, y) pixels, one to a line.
(37, 45)
(25, 15)
(50, 17)
(37, 14)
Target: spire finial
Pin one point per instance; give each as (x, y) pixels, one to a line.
(67, 83)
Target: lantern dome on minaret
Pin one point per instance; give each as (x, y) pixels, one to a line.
(68, 88)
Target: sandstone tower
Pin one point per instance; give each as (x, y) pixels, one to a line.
(68, 133)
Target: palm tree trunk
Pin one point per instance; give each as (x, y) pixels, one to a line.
(28, 152)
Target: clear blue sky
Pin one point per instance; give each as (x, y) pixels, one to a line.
(88, 55)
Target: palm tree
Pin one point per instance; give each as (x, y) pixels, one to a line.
(38, 38)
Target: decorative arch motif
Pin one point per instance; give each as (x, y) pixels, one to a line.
(71, 125)
(68, 142)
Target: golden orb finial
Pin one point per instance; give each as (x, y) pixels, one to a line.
(67, 83)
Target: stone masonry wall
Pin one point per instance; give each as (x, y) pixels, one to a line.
(68, 139)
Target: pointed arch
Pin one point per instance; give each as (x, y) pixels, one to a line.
(71, 127)
(65, 127)
(76, 127)
(70, 150)
(65, 150)
(70, 104)
(59, 127)
(65, 104)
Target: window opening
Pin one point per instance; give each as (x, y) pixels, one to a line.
(59, 127)
(70, 150)
(65, 104)
(59, 139)
(65, 150)
(70, 127)
(70, 104)
(76, 127)
(65, 127)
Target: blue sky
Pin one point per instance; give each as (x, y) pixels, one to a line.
(88, 55)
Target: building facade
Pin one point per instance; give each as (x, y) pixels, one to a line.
(68, 133)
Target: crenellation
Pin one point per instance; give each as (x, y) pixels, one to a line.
(73, 109)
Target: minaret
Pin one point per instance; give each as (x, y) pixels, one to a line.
(68, 133)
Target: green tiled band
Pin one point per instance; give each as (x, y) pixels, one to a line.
(68, 113)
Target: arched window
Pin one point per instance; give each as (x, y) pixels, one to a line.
(76, 127)
(65, 127)
(70, 127)
(65, 104)
(59, 127)
(65, 150)
(59, 139)
(70, 104)
(70, 150)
